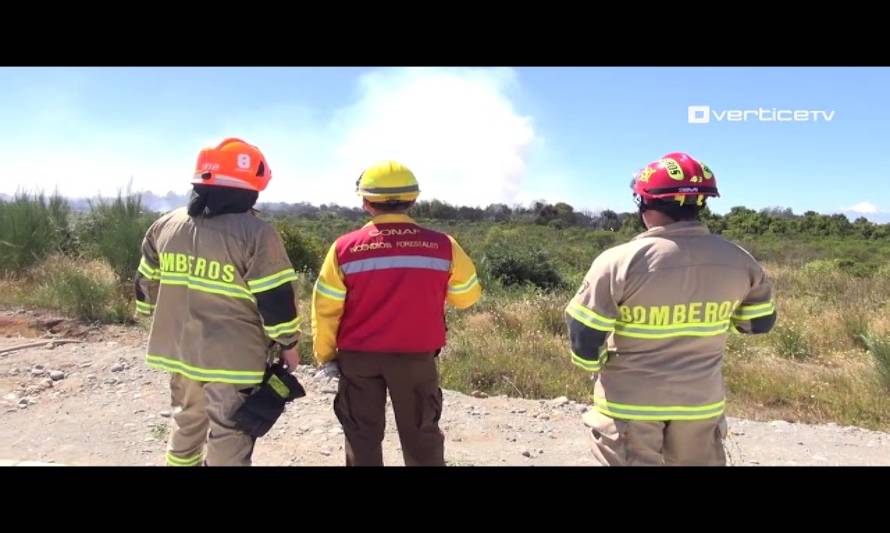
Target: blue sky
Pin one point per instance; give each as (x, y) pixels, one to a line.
(473, 136)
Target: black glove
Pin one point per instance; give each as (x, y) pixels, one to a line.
(263, 408)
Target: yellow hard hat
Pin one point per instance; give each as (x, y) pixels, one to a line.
(388, 181)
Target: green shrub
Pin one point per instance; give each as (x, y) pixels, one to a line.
(511, 262)
(790, 341)
(88, 290)
(304, 250)
(879, 348)
(845, 265)
(30, 229)
(516, 267)
(113, 230)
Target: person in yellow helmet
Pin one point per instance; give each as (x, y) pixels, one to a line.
(378, 320)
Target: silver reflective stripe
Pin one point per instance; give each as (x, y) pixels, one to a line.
(389, 190)
(222, 179)
(396, 261)
(465, 287)
(330, 292)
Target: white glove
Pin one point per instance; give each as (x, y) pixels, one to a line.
(330, 370)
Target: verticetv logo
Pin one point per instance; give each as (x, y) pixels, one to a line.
(702, 114)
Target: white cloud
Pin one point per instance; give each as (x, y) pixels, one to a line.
(868, 210)
(457, 129)
(863, 208)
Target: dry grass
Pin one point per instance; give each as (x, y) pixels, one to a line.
(828, 359)
(87, 290)
(514, 347)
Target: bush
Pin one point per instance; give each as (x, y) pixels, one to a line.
(305, 251)
(510, 262)
(846, 265)
(819, 267)
(30, 229)
(87, 290)
(855, 324)
(790, 342)
(521, 267)
(114, 231)
(879, 348)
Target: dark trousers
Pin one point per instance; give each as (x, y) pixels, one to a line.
(360, 405)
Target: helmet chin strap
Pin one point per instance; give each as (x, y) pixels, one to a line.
(640, 212)
(641, 208)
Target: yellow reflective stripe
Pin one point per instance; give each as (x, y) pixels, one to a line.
(144, 308)
(590, 318)
(144, 264)
(753, 315)
(687, 329)
(270, 282)
(145, 273)
(590, 313)
(173, 460)
(149, 270)
(203, 374)
(284, 328)
(654, 412)
(198, 456)
(706, 407)
(624, 416)
(464, 287)
(587, 364)
(749, 312)
(590, 366)
(286, 331)
(755, 307)
(326, 290)
(678, 325)
(669, 335)
(204, 285)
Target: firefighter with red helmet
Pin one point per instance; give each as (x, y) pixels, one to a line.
(219, 285)
(652, 317)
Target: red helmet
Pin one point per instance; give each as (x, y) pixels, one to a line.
(675, 176)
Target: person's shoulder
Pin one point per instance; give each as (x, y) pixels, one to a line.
(623, 252)
(177, 215)
(345, 240)
(251, 221)
(732, 249)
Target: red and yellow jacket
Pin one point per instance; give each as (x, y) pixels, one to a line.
(383, 288)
